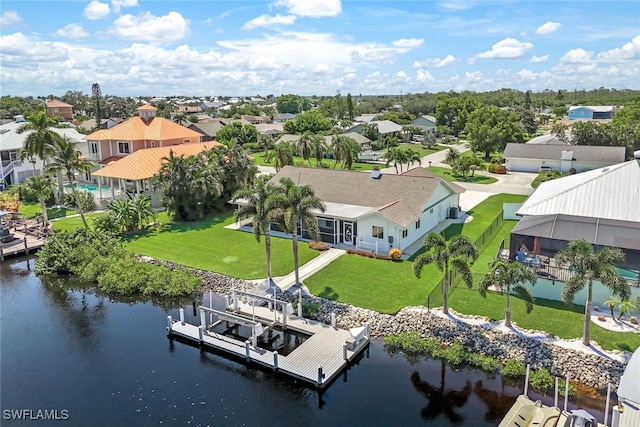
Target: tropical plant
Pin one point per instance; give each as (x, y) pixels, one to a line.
(305, 146)
(456, 255)
(508, 277)
(625, 306)
(293, 205)
(318, 148)
(86, 199)
(283, 155)
(97, 93)
(41, 186)
(395, 155)
(68, 160)
(257, 204)
(588, 265)
(42, 138)
(131, 213)
(612, 302)
(346, 149)
(452, 156)
(180, 119)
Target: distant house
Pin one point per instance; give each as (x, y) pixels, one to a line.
(207, 130)
(283, 117)
(426, 123)
(92, 123)
(549, 139)
(536, 157)
(137, 133)
(385, 127)
(254, 120)
(363, 141)
(366, 118)
(211, 105)
(269, 128)
(189, 109)
(591, 112)
(376, 211)
(12, 169)
(60, 109)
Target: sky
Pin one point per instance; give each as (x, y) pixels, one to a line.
(316, 47)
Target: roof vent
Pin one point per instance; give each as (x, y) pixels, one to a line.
(375, 173)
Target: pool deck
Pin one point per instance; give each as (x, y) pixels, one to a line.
(317, 361)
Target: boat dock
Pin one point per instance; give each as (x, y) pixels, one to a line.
(317, 361)
(23, 244)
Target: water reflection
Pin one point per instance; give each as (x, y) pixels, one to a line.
(498, 404)
(440, 399)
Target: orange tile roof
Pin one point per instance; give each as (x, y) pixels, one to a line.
(56, 103)
(147, 107)
(145, 163)
(135, 129)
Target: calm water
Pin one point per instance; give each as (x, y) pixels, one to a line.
(111, 364)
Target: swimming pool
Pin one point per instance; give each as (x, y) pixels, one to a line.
(552, 290)
(106, 191)
(627, 274)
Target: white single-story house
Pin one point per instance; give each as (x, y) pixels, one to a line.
(374, 211)
(549, 139)
(601, 206)
(536, 157)
(385, 127)
(426, 123)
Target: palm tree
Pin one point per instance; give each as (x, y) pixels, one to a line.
(625, 306)
(349, 150)
(122, 212)
(67, 159)
(319, 147)
(413, 157)
(395, 155)
(305, 146)
(587, 266)
(507, 277)
(41, 185)
(25, 155)
(180, 118)
(452, 156)
(259, 207)
(97, 93)
(292, 206)
(39, 141)
(456, 254)
(283, 155)
(338, 148)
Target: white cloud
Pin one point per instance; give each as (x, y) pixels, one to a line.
(17, 47)
(529, 76)
(96, 10)
(312, 8)
(147, 27)
(72, 31)
(548, 27)
(207, 21)
(9, 17)
(267, 21)
(121, 4)
(407, 43)
(535, 59)
(424, 76)
(577, 56)
(630, 50)
(505, 49)
(435, 62)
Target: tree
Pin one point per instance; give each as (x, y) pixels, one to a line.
(293, 205)
(350, 109)
(560, 111)
(243, 134)
(97, 94)
(452, 156)
(490, 129)
(283, 155)
(305, 145)
(309, 121)
(259, 206)
(559, 130)
(288, 104)
(42, 138)
(508, 277)
(452, 112)
(318, 148)
(68, 160)
(589, 265)
(456, 255)
(370, 130)
(345, 150)
(41, 185)
(180, 119)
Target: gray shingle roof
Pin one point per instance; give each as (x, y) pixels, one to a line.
(583, 153)
(11, 140)
(399, 198)
(549, 139)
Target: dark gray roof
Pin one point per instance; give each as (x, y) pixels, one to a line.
(584, 153)
(399, 198)
(206, 128)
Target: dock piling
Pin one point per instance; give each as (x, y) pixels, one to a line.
(566, 393)
(320, 375)
(606, 408)
(169, 323)
(201, 334)
(182, 316)
(203, 319)
(247, 351)
(275, 360)
(344, 351)
(526, 380)
(555, 400)
(333, 319)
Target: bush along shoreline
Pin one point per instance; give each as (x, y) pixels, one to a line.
(588, 369)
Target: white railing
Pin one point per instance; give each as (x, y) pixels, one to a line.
(6, 170)
(373, 247)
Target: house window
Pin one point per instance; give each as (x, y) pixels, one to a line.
(186, 141)
(377, 232)
(405, 233)
(430, 211)
(417, 224)
(123, 148)
(93, 147)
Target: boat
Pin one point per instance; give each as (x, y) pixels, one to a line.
(627, 412)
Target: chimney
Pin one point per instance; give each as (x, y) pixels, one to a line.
(375, 173)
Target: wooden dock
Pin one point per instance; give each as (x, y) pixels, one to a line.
(23, 244)
(317, 361)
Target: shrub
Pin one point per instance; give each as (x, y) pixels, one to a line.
(513, 368)
(310, 309)
(367, 254)
(497, 168)
(254, 147)
(541, 380)
(384, 256)
(395, 253)
(486, 363)
(87, 200)
(318, 246)
(108, 224)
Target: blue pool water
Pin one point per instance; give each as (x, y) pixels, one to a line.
(106, 191)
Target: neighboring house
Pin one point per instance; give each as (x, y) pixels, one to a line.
(136, 172)
(385, 127)
(376, 211)
(254, 120)
(600, 206)
(12, 169)
(591, 112)
(426, 123)
(549, 139)
(189, 109)
(283, 117)
(92, 123)
(143, 131)
(207, 129)
(60, 109)
(257, 100)
(536, 157)
(270, 128)
(211, 105)
(366, 118)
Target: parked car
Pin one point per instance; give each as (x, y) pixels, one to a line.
(418, 138)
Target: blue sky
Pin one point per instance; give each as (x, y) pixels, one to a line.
(316, 47)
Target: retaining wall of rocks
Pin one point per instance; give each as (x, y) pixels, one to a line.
(592, 370)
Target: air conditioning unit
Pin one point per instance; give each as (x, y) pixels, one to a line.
(453, 212)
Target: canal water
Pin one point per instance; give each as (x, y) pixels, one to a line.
(110, 363)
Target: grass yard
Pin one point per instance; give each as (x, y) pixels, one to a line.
(447, 173)
(30, 210)
(547, 176)
(71, 223)
(421, 149)
(207, 245)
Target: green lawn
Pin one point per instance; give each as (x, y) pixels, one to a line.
(71, 223)
(30, 210)
(207, 245)
(421, 149)
(547, 176)
(447, 173)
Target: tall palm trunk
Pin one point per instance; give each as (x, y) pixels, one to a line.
(587, 315)
(507, 315)
(295, 255)
(76, 196)
(445, 291)
(267, 245)
(43, 206)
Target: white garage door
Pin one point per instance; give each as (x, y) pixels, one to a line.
(523, 165)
